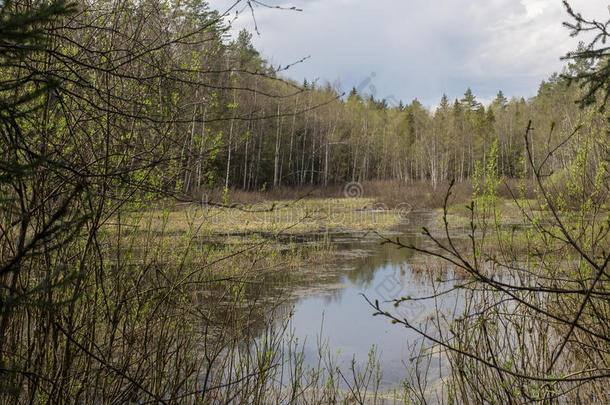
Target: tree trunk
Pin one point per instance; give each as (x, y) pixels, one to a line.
(276, 163)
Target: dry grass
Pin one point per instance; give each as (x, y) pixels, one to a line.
(427, 268)
(420, 195)
(277, 217)
(391, 193)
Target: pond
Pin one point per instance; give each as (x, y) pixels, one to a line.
(334, 314)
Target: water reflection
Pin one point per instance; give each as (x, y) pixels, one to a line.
(335, 312)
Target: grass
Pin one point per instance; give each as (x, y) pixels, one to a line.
(277, 217)
(508, 212)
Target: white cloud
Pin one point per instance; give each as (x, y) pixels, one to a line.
(421, 48)
(535, 7)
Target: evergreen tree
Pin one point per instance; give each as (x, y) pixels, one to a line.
(500, 101)
(470, 101)
(244, 50)
(590, 63)
(444, 104)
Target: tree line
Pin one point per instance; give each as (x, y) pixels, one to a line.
(313, 134)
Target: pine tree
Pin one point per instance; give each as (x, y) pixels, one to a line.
(500, 100)
(470, 101)
(592, 61)
(244, 50)
(444, 104)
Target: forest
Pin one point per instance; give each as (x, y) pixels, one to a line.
(355, 137)
(117, 114)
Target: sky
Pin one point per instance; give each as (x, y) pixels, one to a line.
(407, 49)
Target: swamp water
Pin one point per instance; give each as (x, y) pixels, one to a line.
(332, 315)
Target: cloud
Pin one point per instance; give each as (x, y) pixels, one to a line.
(420, 48)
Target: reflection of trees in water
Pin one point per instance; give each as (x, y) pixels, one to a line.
(333, 295)
(384, 255)
(364, 267)
(327, 280)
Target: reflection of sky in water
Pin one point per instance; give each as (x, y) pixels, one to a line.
(348, 326)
